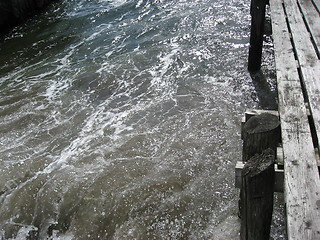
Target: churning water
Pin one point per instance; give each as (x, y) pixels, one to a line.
(120, 119)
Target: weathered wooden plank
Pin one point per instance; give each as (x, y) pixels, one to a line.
(301, 188)
(312, 18)
(317, 4)
(284, 51)
(311, 75)
(308, 60)
(301, 174)
(301, 36)
(302, 182)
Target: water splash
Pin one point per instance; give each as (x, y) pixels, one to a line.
(120, 119)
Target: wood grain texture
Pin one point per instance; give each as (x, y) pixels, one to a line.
(260, 132)
(317, 4)
(257, 190)
(312, 17)
(302, 184)
(306, 53)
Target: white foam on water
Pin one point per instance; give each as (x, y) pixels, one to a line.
(139, 3)
(144, 133)
(116, 3)
(91, 132)
(61, 81)
(161, 82)
(23, 233)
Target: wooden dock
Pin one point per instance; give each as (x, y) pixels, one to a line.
(296, 35)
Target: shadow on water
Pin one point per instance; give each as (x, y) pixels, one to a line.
(266, 97)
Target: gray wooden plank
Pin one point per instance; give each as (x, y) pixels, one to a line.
(302, 182)
(284, 53)
(312, 17)
(311, 75)
(307, 58)
(317, 4)
(303, 44)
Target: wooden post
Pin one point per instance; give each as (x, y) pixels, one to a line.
(261, 135)
(260, 132)
(257, 196)
(257, 10)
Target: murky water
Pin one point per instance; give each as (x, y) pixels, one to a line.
(120, 119)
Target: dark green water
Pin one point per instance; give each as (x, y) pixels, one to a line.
(120, 119)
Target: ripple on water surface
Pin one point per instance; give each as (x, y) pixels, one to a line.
(120, 120)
